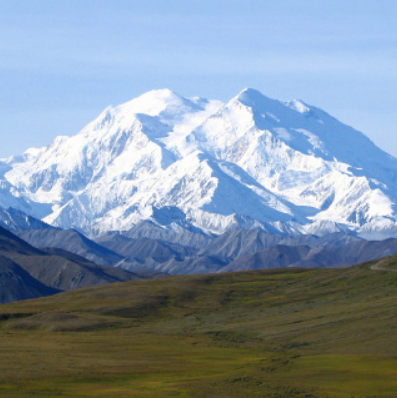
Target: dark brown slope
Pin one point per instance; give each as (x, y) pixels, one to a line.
(73, 242)
(233, 244)
(16, 284)
(322, 257)
(275, 257)
(57, 269)
(63, 273)
(192, 265)
(142, 249)
(146, 229)
(349, 254)
(11, 243)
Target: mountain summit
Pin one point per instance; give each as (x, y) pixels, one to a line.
(204, 165)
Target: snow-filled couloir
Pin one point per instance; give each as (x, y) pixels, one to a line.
(201, 164)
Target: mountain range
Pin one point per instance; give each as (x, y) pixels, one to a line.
(166, 185)
(28, 272)
(46, 260)
(206, 167)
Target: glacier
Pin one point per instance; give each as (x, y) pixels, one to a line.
(208, 166)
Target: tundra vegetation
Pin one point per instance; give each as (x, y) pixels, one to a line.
(281, 333)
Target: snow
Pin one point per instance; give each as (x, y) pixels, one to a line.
(298, 106)
(253, 161)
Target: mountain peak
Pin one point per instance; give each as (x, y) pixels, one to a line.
(256, 100)
(249, 95)
(284, 166)
(164, 94)
(248, 91)
(154, 102)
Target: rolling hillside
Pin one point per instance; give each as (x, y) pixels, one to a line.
(284, 333)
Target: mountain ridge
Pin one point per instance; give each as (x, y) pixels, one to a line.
(196, 164)
(28, 272)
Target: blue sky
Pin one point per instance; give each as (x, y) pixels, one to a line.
(63, 61)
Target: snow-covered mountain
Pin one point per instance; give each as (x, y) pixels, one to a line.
(203, 165)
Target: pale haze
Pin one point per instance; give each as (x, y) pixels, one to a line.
(63, 62)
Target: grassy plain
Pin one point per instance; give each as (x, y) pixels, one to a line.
(315, 333)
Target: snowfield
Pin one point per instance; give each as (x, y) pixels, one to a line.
(204, 165)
